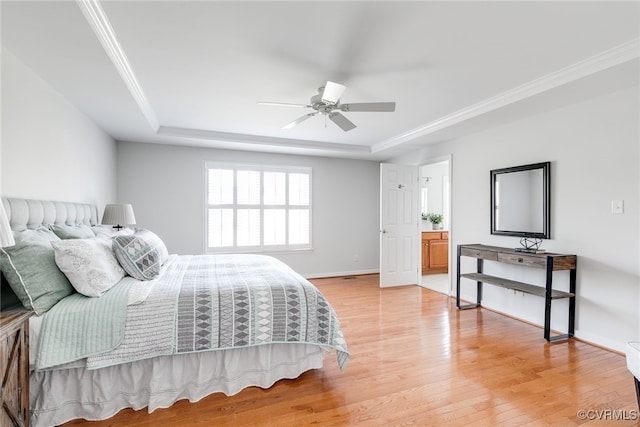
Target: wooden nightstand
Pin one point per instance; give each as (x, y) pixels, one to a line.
(14, 367)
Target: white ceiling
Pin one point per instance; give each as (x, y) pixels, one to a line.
(195, 70)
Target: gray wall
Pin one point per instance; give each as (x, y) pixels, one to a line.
(50, 150)
(165, 184)
(593, 149)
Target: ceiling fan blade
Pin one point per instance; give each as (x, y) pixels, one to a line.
(369, 106)
(284, 104)
(344, 123)
(332, 92)
(299, 120)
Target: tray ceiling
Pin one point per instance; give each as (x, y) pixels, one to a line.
(192, 72)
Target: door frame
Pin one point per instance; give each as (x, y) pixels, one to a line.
(427, 162)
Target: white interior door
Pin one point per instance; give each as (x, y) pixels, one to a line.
(398, 225)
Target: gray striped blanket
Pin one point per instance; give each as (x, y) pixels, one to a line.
(212, 302)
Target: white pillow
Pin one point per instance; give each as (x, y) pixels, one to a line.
(89, 264)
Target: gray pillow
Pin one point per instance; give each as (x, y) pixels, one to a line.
(140, 254)
(102, 231)
(31, 270)
(79, 231)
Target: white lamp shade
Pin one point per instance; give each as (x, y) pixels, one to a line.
(118, 215)
(6, 235)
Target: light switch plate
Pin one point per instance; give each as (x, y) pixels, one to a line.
(617, 206)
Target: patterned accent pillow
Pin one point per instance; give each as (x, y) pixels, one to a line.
(89, 264)
(31, 270)
(141, 254)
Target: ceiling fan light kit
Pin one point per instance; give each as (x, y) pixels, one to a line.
(327, 103)
(331, 92)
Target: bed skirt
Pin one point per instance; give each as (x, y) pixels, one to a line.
(58, 396)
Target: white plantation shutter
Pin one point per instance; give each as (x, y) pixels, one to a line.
(274, 227)
(275, 188)
(299, 226)
(220, 227)
(248, 187)
(298, 189)
(248, 227)
(256, 208)
(220, 186)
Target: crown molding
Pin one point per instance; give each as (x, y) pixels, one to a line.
(209, 135)
(620, 54)
(101, 26)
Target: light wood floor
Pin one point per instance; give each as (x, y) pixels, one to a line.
(416, 360)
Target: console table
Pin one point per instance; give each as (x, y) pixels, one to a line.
(548, 261)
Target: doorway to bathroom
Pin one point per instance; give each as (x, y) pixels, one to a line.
(435, 225)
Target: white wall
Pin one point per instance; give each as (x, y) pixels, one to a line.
(593, 149)
(165, 184)
(50, 150)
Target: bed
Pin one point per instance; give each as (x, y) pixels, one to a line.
(168, 327)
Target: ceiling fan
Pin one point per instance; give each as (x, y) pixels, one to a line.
(327, 102)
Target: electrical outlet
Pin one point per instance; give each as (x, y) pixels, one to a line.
(617, 206)
(356, 258)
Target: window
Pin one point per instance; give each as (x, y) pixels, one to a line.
(257, 208)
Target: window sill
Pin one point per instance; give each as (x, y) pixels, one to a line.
(274, 252)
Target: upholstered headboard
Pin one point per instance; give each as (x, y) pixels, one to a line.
(26, 213)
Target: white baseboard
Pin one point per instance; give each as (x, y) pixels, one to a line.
(595, 340)
(340, 273)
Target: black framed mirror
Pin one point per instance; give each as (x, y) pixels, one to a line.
(521, 201)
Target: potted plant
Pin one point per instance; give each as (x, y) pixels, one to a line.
(435, 219)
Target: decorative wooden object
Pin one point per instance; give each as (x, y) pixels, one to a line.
(435, 252)
(549, 261)
(14, 367)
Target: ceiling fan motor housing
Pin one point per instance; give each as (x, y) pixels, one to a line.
(321, 106)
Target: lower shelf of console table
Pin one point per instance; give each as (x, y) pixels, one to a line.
(549, 261)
